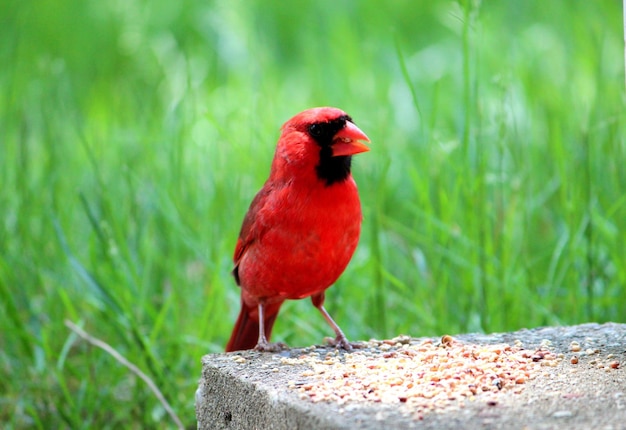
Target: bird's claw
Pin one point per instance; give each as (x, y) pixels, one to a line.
(270, 347)
(341, 342)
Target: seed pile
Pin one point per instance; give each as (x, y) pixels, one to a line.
(420, 377)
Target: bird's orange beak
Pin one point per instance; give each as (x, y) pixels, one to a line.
(348, 141)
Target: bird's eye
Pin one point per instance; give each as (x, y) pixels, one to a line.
(315, 130)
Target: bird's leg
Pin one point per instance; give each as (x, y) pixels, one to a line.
(341, 341)
(263, 344)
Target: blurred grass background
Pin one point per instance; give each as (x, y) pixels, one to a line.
(134, 134)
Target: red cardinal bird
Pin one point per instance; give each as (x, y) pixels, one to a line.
(301, 228)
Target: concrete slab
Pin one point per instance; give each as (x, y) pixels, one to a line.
(576, 380)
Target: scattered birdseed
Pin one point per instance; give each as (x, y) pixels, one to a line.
(419, 377)
(545, 343)
(562, 414)
(447, 340)
(239, 359)
(574, 346)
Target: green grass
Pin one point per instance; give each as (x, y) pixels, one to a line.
(133, 135)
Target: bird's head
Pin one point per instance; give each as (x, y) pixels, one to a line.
(322, 139)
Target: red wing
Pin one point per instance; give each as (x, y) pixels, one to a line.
(251, 229)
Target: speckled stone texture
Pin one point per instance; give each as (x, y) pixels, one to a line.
(250, 390)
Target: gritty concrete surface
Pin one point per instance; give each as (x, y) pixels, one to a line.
(251, 390)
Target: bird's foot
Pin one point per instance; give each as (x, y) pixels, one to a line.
(341, 342)
(270, 347)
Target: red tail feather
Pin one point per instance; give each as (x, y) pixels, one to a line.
(246, 332)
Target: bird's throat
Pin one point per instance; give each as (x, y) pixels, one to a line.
(333, 169)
